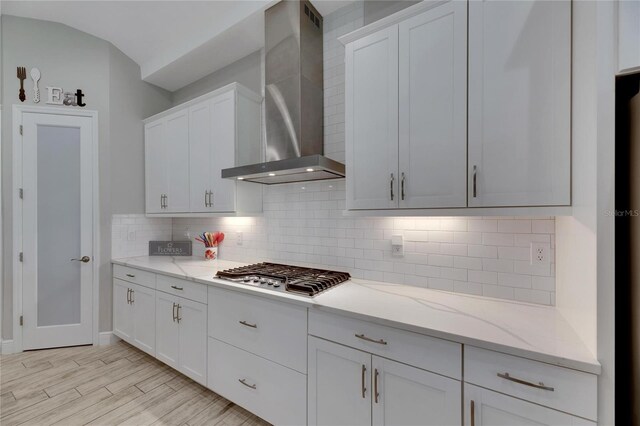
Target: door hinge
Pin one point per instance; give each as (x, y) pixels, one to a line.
(21, 193)
(21, 129)
(21, 257)
(21, 320)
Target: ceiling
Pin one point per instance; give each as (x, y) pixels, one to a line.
(174, 42)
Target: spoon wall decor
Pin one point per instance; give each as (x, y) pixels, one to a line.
(35, 76)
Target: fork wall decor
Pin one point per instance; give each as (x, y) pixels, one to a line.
(22, 75)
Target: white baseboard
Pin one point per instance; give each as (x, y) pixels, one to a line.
(7, 347)
(107, 338)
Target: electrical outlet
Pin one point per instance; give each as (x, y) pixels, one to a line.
(239, 238)
(397, 245)
(540, 253)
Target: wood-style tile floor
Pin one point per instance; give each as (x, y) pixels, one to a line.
(106, 385)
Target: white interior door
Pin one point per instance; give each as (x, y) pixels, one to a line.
(57, 168)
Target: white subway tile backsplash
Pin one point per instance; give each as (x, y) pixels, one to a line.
(131, 233)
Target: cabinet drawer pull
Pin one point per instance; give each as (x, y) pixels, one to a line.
(375, 385)
(369, 339)
(475, 179)
(244, 382)
(391, 186)
(177, 288)
(248, 324)
(473, 413)
(131, 275)
(364, 388)
(538, 385)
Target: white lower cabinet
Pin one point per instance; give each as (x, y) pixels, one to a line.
(144, 309)
(122, 312)
(405, 395)
(348, 386)
(181, 330)
(267, 389)
(168, 336)
(339, 384)
(483, 407)
(134, 315)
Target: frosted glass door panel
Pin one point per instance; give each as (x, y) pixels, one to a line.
(57, 230)
(59, 233)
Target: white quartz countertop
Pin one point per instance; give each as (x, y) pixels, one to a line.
(521, 329)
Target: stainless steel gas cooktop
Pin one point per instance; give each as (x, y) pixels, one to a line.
(286, 278)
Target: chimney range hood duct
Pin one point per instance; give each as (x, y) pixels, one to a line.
(294, 105)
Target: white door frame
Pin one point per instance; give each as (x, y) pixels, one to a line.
(18, 111)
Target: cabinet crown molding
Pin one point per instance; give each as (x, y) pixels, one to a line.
(229, 87)
(390, 20)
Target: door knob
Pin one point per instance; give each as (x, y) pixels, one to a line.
(83, 259)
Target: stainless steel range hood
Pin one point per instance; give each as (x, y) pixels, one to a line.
(294, 106)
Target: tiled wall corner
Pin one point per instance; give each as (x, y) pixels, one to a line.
(131, 233)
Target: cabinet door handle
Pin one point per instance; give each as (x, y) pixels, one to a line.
(475, 180)
(177, 288)
(210, 198)
(166, 201)
(206, 198)
(402, 187)
(178, 317)
(391, 186)
(244, 382)
(369, 339)
(173, 312)
(162, 201)
(364, 389)
(131, 275)
(248, 324)
(128, 298)
(131, 297)
(473, 413)
(538, 385)
(375, 385)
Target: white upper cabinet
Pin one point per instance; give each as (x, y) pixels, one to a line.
(433, 108)
(177, 154)
(188, 146)
(406, 112)
(200, 153)
(519, 103)
(371, 107)
(155, 166)
(628, 36)
(460, 104)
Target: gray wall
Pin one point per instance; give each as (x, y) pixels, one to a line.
(245, 71)
(378, 9)
(72, 59)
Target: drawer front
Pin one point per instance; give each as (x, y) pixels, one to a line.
(429, 353)
(136, 276)
(183, 288)
(573, 391)
(273, 330)
(271, 391)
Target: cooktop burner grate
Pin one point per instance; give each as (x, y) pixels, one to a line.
(295, 279)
